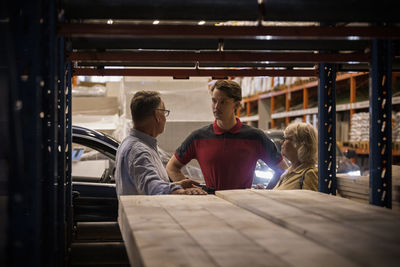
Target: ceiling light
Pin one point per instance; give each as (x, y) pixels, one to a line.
(110, 21)
(202, 22)
(156, 22)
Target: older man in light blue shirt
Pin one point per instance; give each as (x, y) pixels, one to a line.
(139, 169)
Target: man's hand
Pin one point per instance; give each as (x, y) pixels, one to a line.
(189, 191)
(187, 183)
(195, 191)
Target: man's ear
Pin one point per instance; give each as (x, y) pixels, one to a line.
(156, 117)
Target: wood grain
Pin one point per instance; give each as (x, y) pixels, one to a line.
(319, 217)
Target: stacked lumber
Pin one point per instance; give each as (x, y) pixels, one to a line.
(285, 228)
(357, 187)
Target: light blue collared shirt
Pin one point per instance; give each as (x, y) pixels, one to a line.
(139, 169)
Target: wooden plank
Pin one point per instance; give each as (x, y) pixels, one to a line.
(351, 193)
(153, 238)
(273, 245)
(357, 245)
(222, 233)
(373, 220)
(357, 189)
(225, 244)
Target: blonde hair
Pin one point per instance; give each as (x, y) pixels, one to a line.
(305, 140)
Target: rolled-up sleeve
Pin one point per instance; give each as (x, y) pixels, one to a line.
(146, 177)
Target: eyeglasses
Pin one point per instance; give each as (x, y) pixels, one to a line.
(166, 111)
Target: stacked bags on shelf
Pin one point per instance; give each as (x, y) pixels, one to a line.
(360, 127)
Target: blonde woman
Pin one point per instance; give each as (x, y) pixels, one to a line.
(300, 146)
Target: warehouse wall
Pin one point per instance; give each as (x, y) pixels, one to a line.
(188, 100)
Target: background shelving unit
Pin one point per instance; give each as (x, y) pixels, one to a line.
(299, 102)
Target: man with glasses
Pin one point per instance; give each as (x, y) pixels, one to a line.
(139, 169)
(227, 150)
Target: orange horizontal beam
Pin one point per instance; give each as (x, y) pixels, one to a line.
(185, 73)
(173, 56)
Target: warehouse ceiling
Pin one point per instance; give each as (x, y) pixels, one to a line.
(225, 38)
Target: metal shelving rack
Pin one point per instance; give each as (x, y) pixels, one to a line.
(38, 84)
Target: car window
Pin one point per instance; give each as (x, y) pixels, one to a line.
(90, 165)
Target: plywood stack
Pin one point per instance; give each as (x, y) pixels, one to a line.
(357, 187)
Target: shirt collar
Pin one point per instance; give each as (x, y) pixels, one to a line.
(235, 129)
(147, 139)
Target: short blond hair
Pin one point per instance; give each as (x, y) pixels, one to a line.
(305, 140)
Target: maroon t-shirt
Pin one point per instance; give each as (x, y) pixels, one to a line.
(228, 159)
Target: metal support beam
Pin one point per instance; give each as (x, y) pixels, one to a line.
(61, 155)
(239, 32)
(238, 10)
(48, 114)
(68, 155)
(25, 207)
(380, 148)
(327, 129)
(185, 73)
(170, 56)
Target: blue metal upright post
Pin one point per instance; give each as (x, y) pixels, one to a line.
(68, 155)
(62, 139)
(327, 129)
(25, 198)
(380, 148)
(49, 115)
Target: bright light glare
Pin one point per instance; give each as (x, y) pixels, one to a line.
(354, 173)
(202, 22)
(264, 174)
(110, 21)
(266, 37)
(156, 22)
(353, 38)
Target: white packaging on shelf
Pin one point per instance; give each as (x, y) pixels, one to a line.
(96, 90)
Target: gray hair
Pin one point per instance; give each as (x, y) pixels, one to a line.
(143, 105)
(305, 139)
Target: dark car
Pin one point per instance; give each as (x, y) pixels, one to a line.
(264, 174)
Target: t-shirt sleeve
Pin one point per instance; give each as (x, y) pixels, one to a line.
(269, 153)
(187, 150)
(146, 178)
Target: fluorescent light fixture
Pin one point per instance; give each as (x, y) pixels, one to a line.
(110, 21)
(202, 22)
(156, 22)
(354, 173)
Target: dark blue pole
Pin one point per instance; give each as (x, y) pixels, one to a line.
(49, 116)
(25, 206)
(61, 157)
(380, 160)
(327, 129)
(68, 176)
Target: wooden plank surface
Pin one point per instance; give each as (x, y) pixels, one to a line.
(209, 231)
(364, 234)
